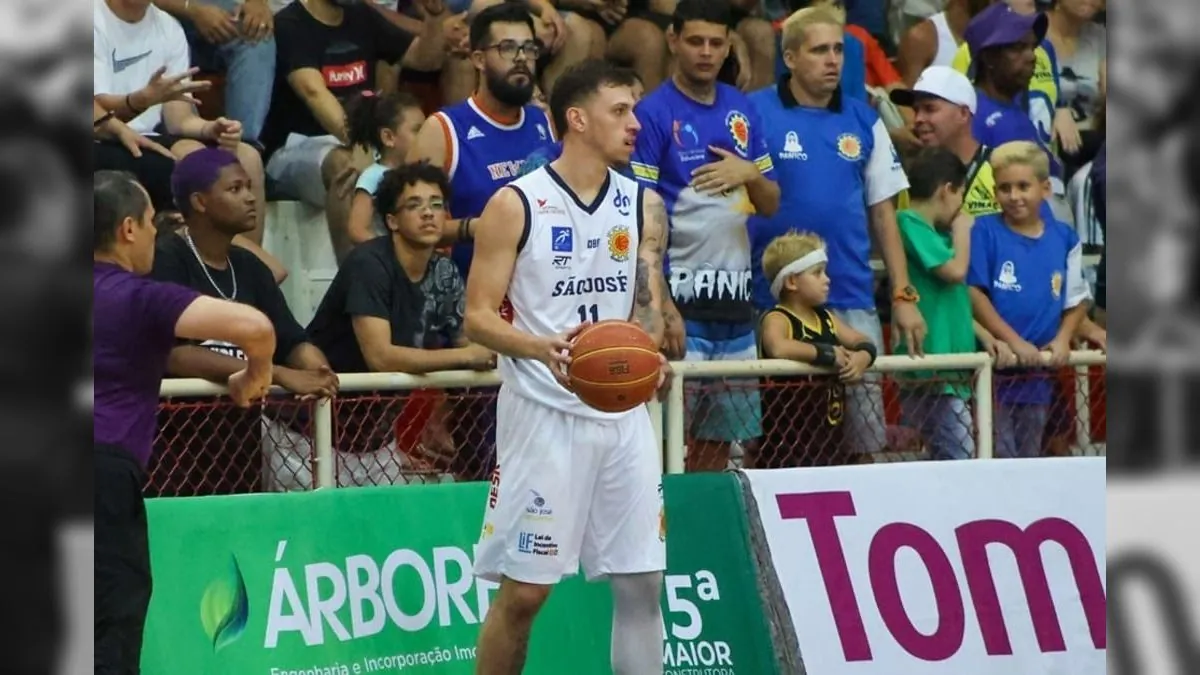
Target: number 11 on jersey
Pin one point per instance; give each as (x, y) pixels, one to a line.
(589, 313)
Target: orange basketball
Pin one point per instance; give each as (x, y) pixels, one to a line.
(614, 366)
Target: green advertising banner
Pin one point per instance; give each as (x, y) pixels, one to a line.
(378, 580)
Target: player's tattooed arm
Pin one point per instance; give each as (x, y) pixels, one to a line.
(648, 283)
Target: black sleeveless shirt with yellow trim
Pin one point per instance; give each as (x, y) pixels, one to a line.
(802, 414)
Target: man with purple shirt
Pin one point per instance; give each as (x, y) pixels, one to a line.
(135, 324)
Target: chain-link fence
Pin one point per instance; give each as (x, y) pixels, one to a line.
(208, 446)
(389, 429)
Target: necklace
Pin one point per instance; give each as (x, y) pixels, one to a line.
(187, 236)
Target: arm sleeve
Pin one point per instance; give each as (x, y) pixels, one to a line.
(288, 332)
(760, 152)
(101, 66)
(368, 291)
(162, 304)
(977, 270)
(885, 175)
(290, 52)
(648, 149)
(1077, 288)
(925, 247)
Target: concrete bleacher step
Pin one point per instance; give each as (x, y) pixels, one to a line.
(298, 235)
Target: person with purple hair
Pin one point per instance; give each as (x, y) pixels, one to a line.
(212, 191)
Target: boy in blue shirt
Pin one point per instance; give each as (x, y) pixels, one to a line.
(1027, 288)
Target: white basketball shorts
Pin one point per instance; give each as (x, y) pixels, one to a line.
(570, 490)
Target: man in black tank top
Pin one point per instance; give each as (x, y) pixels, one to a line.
(802, 414)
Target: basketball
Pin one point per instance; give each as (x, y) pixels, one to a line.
(614, 366)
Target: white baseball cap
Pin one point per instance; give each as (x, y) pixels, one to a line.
(943, 82)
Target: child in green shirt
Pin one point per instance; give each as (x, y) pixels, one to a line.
(937, 242)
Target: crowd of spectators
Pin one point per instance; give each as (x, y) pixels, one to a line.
(761, 122)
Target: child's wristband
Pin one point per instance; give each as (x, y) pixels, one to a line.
(868, 347)
(826, 355)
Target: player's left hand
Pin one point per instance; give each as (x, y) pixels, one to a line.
(723, 175)
(665, 375)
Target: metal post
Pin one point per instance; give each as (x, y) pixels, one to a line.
(984, 412)
(655, 408)
(323, 443)
(675, 425)
(1083, 411)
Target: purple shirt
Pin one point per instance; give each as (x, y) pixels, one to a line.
(133, 327)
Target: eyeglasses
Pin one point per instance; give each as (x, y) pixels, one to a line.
(416, 205)
(510, 48)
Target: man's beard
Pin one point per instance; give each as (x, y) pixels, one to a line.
(513, 95)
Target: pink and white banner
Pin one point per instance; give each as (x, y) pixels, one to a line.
(931, 568)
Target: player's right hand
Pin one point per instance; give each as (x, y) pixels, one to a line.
(556, 354)
(249, 385)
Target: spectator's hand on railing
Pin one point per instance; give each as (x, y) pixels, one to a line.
(1027, 354)
(257, 21)
(163, 88)
(1002, 355)
(1060, 350)
(249, 385)
(911, 325)
(480, 357)
(224, 132)
(214, 24)
(851, 364)
(308, 384)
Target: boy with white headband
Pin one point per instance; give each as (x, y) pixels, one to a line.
(802, 414)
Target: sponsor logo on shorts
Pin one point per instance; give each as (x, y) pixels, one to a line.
(536, 544)
(537, 507)
(494, 491)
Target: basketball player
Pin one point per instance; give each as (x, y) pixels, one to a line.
(572, 243)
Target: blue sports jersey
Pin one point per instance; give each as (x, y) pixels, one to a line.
(997, 123)
(832, 163)
(483, 156)
(709, 270)
(1030, 283)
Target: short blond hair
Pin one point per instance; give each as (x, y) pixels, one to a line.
(1021, 153)
(814, 15)
(787, 249)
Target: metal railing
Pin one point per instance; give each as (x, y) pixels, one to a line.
(672, 427)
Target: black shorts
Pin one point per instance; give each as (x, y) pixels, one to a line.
(122, 562)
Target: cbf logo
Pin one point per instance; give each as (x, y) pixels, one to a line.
(622, 202)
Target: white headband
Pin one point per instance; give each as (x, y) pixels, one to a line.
(798, 266)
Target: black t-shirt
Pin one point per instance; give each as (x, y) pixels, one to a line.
(425, 315)
(345, 55)
(174, 261)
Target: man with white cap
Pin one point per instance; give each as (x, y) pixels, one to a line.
(944, 104)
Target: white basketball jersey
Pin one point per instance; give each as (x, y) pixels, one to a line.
(576, 263)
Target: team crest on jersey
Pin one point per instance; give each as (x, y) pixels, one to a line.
(618, 243)
(739, 129)
(849, 146)
(1056, 285)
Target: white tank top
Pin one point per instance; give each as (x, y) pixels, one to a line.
(576, 263)
(947, 46)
